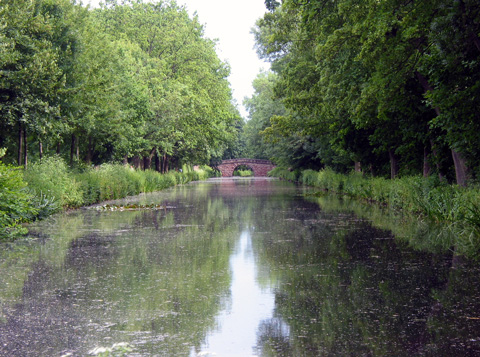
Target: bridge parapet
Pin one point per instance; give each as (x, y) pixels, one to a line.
(258, 166)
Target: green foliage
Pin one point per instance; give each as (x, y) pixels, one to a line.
(376, 83)
(55, 186)
(284, 174)
(261, 107)
(52, 179)
(110, 181)
(428, 198)
(132, 79)
(185, 105)
(243, 173)
(454, 210)
(16, 204)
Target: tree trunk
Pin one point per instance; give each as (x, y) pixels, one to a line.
(358, 166)
(58, 148)
(393, 164)
(165, 164)
(147, 162)
(157, 162)
(136, 162)
(77, 151)
(89, 150)
(72, 148)
(40, 149)
(426, 165)
(25, 150)
(20, 144)
(434, 151)
(125, 160)
(461, 170)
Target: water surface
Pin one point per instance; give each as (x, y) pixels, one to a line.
(234, 267)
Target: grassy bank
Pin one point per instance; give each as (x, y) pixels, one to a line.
(50, 186)
(428, 199)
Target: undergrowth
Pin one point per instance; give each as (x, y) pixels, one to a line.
(49, 186)
(429, 199)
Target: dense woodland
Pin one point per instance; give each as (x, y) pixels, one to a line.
(387, 87)
(133, 80)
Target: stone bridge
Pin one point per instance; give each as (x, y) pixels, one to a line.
(258, 167)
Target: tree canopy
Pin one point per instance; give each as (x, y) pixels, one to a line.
(132, 80)
(392, 86)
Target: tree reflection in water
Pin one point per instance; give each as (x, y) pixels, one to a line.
(338, 284)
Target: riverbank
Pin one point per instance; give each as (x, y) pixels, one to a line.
(51, 185)
(427, 199)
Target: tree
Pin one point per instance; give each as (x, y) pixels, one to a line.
(261, 107)
(190, 100)
(369, 66)
(31, 77)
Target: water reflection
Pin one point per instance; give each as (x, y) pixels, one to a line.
(234, 267)
(249, 305)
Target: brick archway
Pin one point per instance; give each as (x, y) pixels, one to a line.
(259, 167)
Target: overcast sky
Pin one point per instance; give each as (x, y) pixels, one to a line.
(230, 22)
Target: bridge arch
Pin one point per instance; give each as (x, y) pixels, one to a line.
(259, 167)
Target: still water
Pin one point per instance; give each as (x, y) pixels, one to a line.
(234, 267)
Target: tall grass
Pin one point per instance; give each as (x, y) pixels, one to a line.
(426, 198)
(284, 174)
(52, 180)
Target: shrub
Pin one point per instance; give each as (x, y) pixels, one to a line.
(285, 174)
(243, 173)
(15, 202)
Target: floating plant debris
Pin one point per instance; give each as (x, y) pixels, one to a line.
(130, 207)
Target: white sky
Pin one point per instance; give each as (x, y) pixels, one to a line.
(230, 21)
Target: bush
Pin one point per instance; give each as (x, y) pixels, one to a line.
(52, 179)
(243, 173)
(49, 185)
(285, 174)
(16, 204)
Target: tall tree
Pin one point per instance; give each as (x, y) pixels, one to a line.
(31, 78)
(369, 66)
(190, 99)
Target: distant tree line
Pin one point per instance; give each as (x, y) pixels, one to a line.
(133, 80)
(388, 87)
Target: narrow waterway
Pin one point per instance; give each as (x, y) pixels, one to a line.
(235, 267)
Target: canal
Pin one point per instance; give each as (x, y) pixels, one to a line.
(235, 267)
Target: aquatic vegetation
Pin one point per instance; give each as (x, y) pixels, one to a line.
(55, 183)
(284, 174)
(117, 349)
(129, 207)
